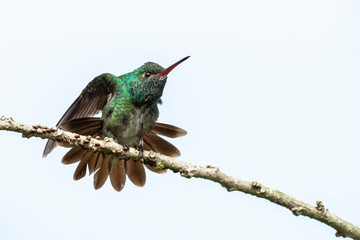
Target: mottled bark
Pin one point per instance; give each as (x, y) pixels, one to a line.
(107, 145)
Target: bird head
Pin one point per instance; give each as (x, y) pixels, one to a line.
(147, 84)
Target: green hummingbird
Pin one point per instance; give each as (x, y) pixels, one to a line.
(129, 111)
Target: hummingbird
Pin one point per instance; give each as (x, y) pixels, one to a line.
(129, 111)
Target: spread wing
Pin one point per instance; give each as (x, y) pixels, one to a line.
(91, 101)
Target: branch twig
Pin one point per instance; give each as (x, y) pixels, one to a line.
(318, 212)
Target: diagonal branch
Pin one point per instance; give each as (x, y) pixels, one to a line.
(318, 212)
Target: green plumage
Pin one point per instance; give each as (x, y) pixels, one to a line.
(129, 112)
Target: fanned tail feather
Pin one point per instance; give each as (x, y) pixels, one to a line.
(118, 175)
(136, 172)
(106, 165)
(102, 174)
(160, 145)
(168, 130)
(94, 163)
(80, 171)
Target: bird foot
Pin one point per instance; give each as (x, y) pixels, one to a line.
(141, 153)
(126, 147)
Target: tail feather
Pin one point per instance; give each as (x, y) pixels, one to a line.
(80, 171)
(50, 145)
(102, 174)
(136, 172)
(73, 155)
(150, 167)
(63, 144)
(168, 130)
(147, 147)
(155, 169)
(93, 162)
(99, 161)
(160, 145)
(118, 175)
(106, 165)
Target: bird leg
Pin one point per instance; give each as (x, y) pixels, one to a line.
(126, 147)
(141, 147)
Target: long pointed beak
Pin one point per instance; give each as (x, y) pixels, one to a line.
(167, 70)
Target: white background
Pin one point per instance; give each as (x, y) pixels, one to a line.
(270, 93)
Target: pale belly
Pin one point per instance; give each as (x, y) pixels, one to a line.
(136, 124)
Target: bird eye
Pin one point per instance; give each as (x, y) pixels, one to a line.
(147, 74)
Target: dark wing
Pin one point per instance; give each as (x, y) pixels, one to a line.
(91, 101)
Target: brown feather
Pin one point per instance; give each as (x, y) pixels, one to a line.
(80, 171)
(78, 123)
(99, 161)
(160, 145)
(63, 144)
(118, 175)
(90, 131)
(102, 174)
(168, 130)
(85, 128)
(87, 104)
(73, 155)
(155, 169)
(82, 125)
(92, 162)
(136, 172)
(150, 167)
(147, 147)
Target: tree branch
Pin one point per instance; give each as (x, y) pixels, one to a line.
(318, 212)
